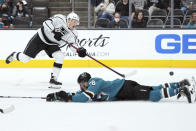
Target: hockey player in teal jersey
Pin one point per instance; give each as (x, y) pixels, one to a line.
(97, 89)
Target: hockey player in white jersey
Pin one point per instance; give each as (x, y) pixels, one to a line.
(55, 33)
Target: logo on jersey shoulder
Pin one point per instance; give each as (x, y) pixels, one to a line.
(92, 83)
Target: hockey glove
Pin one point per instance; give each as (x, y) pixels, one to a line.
(60, 96)
(51, 97)
(57, 35)
(81, 52)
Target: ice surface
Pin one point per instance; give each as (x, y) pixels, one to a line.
(38, 115)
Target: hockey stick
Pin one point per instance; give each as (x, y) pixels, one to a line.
(25, 97)
(122, 75)
(7, 110)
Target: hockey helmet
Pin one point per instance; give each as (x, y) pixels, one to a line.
(84, 77)
(73, 16)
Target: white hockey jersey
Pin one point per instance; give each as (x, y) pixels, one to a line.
(57, 22)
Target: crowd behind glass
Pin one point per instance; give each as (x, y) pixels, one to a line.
(117, 13)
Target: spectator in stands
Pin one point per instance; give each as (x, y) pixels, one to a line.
(152, 6)
(188, 5)
(20, 10)
(139, 22)
(140, 4)
(123, 8)
(158, 4)
(105, 9)
(5, 15)
(117, 23)
(192, 21)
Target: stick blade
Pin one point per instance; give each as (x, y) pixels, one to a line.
(8, 109)
(132, 73)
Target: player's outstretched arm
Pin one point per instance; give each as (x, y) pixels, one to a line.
(67, 97)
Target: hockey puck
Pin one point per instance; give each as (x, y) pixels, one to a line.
(171, 73)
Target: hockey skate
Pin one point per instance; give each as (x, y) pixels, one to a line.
(192, 89)
(184, 82)
(184, 91)
(187, 89)
(54, 83)
(10, 58)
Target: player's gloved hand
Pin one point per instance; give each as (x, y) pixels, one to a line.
(60, 96)
(50, 97)
(57, 35)
(81, 52)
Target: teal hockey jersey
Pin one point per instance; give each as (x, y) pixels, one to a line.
(99, 90)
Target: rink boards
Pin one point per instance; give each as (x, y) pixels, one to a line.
(116, 48)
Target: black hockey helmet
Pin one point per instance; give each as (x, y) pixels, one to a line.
(84, 77)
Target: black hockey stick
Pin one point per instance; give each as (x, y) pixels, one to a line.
(25, 97)
(122, 75)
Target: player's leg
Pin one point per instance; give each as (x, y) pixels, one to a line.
(131, 90)
(34, 46)
(159, 93)
(164, 91)
(57, 66)
(55, 52)
(17, 56)
(168, 90)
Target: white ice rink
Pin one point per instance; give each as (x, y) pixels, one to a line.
(39, 115)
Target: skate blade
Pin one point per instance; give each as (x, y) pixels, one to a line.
(52, 86)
